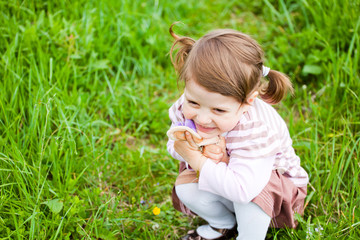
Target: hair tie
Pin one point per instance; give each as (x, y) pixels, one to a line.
(265, 71)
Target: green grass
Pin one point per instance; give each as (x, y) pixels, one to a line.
(85, 88)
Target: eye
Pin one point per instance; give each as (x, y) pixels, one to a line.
(218, 110)
(192, 103)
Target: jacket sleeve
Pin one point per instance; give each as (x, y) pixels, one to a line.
(253, 148)
(175, 115)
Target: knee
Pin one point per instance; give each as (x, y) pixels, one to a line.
(190, 194)
(187, 193)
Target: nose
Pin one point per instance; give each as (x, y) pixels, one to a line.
(203, 118)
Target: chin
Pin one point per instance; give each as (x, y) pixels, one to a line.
(208, 135)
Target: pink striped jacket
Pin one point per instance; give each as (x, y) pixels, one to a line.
(258, 144)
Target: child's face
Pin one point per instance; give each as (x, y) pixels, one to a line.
(212, 112)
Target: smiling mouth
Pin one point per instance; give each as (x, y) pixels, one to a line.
(203, 128)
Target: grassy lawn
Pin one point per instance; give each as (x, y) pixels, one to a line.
(84, 90)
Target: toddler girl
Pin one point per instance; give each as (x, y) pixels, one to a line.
(255, 179)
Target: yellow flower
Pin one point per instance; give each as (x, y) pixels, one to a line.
(156, 211)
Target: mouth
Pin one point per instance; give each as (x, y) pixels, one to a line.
(204, 129)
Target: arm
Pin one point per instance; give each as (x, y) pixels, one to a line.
(253, 151)
(240, 181)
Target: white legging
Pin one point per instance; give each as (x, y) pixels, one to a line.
(220, 212)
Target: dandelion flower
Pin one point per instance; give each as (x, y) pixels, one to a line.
(156, 211)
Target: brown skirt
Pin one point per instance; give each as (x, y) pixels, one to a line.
(280, 198)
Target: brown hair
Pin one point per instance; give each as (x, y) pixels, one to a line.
(228, 62)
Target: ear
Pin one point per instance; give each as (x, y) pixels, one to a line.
(249, 102)
(252, 97)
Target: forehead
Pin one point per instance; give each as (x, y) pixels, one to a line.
(197, 93)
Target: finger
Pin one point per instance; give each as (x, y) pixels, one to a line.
(181, 146)
(216, 160)
(212, 148)
(180, 135)
(214, 156)
(197, 140)
(190, 140)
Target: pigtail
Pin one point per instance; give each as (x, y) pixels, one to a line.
(277, 87)
(185, 43)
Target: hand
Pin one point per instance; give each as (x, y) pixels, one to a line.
(217, 152)
(190, 152)
(181, 136)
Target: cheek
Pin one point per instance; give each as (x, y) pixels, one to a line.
(188, 112)
(228, 123)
